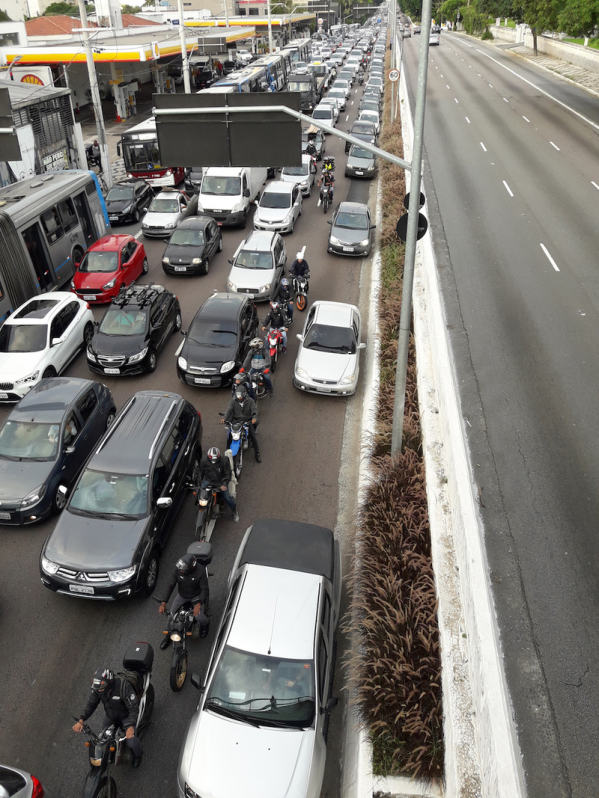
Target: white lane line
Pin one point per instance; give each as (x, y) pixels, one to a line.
(479, 75)
(138, 235)
(447, 84)
(549, 258)
(436, 66)
(352, 102)
(441, 75)
(468, 45)
(456, 99)
(505, 101)
(483, 146)
(490, 85)
(347, 117)
(555, 145)
(509, 190)
(526, 120)
(595, 184)
(467, 120)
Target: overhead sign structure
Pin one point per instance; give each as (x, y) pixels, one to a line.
(394, 75)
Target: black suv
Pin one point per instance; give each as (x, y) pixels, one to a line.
(107, 542)
(126, 201)
(133, 330)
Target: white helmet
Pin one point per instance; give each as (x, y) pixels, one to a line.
(300, 255)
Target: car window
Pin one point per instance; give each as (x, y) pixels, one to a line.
(159, 478)
(52, 225)
(110, 494)
(119, 194)
(87, 404)
(71, 429)
(129, 321)
(56, 328)
(99, 262)
(11, 782)
(27, 440)
(170, 449)
(68, 214)
(69, 314)
(23, 337)
(254, 260)
(326, 338)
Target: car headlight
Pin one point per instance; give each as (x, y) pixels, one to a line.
(304, 184)
(231, 285)
(237, 207)
(48, 566)
(73, 288)
(29, 378)
(348, 380)
(169, 224)
(122, 574)
(182, 363)
(266, 287)
(365, 242)
(200, 208)
(34, 497)
(139, 356)
(333, 240)
(90, 355)
(166, 260)
(128, 209)
(109, 285)
(302, 373)
(196, 261)
(230, 364)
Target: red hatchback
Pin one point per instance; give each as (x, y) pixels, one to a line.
(110, 263)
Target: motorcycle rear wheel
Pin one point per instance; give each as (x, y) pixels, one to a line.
(300, 302)
(178, 670)
(202, 523)
(237, 463)
(273, 362)
(260, 390)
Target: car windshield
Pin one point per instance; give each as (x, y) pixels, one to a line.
(159, 205)
(296, 171)
(25, 440)
(363, 127)
(337, 93)
(299, 85)
(207, 332)
(254, 260)
(23, 337)
(124, 322)
(331, 339)
(262, 690)
(322, 113)
(187, 238)
(119, 193)
(360, 152)
(352, 221)
(104, 262)
(273, 199)
(229, 186)
(104, 493)
(370, 106)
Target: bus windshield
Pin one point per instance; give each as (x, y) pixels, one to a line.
(141, 155)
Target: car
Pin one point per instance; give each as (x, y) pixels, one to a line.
(133, 331)
(372, 93)
(347, 74)
(193, 179)
(434, 39)
(406, 33)
(127, 199)
(300, 68)
(40, 339)
(371, 116)
(302, 176)
(351, 230)
(258, 265)
(45, 442)
(374, 81)
(344, 85)
(217, 341)
(264, 710)
(19, 784)
(324, 113)
(370, 103)
(339, 95)
(360, 163)
(416, 29)
(106, 544)
(192, 246)
(319, 139)
(168, 208)
(334, 103)
(109, 264)
(279, 207)
(365, 131)
(243, 56)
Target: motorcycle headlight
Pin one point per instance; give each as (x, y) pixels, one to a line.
(230, 364)
(166, 260)
(48, 566)
(182, 363)
(334, 240)
(139, 356)
(348, 380)
(231, 285)
(29, 378)
(264, 288)
(364, 243)
(196, 261)
(122, 574)
(109, 285)
(176, 637)
(203, 502)
(90, 354)
(302, 373)
(34, 497)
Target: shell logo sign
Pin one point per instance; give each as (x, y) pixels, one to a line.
(34, 79)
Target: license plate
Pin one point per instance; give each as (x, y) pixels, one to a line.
(216, 210)
(113, 218)
(201, 380)
(359, 173)
(180, 268)
(88, 591)
(5, 516)
(348, 249)
(3, 396)
(325, 390)
(89, 297)
(112, 371)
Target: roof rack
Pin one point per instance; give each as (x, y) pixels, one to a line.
(140, 295)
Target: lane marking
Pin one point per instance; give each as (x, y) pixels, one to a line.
(467, 120)
(549, 258)
(352, 102)
(509, 190)
(595, 184)
(525, 119)
(555, 145)
(504, 100)
(447, 84)
(483, 146)
(490, 85)
(456, 99)
(138, 235)
(347, 117)
(318, 204)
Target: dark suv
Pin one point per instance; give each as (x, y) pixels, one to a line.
(107, 542)
(133, 331)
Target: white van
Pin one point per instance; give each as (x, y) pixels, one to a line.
(227, 193)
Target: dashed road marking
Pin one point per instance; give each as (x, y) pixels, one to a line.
(509, 190)
(467, 120)
(456, 99)
(505, 101)
(549, 258)
(595, 184)
(555, 145)
(483, 146)
(525, 119)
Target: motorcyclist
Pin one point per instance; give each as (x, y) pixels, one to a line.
(311, 149)
(258, 360)
(327, 178)
(243, 378)
(300, 266)
(277, 319)
(190, 577)
(121, 707)
(242, 408)
(286, 296)
(216, 473)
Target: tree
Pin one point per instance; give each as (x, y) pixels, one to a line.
(541, 15)
(4, 17)
(579, 18)
(127, 9)
(61, 8)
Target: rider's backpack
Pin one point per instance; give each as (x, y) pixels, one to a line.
(130, 679)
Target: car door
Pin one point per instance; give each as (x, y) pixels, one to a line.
(92, 415)
(75, 446)
(296, 198)
(161, 516)
(208, 242)
(56, 355)
(72, 320)
(125, 276)
(158, 325)
(279, 260)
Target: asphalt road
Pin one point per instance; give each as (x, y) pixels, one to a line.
(50, 645)
(512, 182)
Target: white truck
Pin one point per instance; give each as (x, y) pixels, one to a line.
(227, 193)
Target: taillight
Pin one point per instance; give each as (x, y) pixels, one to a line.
(38, 790)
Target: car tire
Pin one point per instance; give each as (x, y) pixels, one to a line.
(110, 417)
(244, 221)
(179, 319)
(206, 267)
(145, 267)
(150, 577)
(59, 501)
(88, 334)
(220, 244)
(152, 362)
(136, 215)
(77, 256)
(48, 373)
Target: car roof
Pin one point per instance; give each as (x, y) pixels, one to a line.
(58, 298)
(259, 241)
(276, 613)
(194, 223)
(111, 242)
(291, 546)
(333, 314)
(168, 194)
(353, 207)
(278, 187)
(48, 400)
(222, 306)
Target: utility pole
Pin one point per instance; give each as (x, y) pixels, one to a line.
(95, 96)
(269, 27)
(185, 60)
(226, 12)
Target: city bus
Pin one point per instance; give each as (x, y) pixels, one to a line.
(300, 49)
(46, 224)
(139, 148)
(277, 67)
(249, 79)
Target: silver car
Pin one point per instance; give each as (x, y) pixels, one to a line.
(279, 207)
(360, 162)
(166, 210)
(301, 176)
(20, 784)
(258, 265)
(328, 360)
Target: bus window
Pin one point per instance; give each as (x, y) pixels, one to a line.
(52, 225)
(84, 218)
(39, 258)
(67, 214)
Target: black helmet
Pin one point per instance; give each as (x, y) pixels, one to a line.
(186, 563)
(102, 681)
(213, 454)
(241, 393)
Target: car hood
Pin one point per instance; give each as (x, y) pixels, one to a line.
(251, 278)
(294, 178)
(219, 202)
(360, 163)
(18, 478)
(271, 215)
(94, 544)
(214, 356)
(178, 253)
(347, 236)
(325, 365)
(229, 758)
(370, 138)
(14, 365)
(159, 219)
(94, 280)
(118, 344)
(116, 206)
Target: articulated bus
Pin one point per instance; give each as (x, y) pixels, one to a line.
(251, 78)
(277, 67)
(300, 49)
(46, 224)
(139, 148)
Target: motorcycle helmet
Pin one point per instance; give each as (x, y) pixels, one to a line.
(214, 454)
(274, 305)
(284, 283)
(185, 564)
(102, 680)
(255, 343)
(300, 256)
(241, 394)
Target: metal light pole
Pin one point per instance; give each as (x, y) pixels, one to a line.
(95, 96)
(411, 238)
(269, 27)
(185, 61)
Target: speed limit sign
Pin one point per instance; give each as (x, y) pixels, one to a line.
(393, 75)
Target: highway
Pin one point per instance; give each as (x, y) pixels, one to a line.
(51, 645)
(511, 176)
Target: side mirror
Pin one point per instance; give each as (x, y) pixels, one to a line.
(183, 333)
(256, 202)
(362, 346)
(329, 222)
(97, 325)
(299, 337)
(62, 490)
(197, 682)
(118, 148)
(230, 260)
(246, 192)
(56, 341)
(331, 704)
(373, 226)
(164, 502)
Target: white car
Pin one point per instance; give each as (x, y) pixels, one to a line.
(279, 207)
(40, 339)
(301, 176)
(371, 116)
(324, 113)
(244, 56)
(434, 38)
(344, 85)
(166, 210)
(258, 265)
(334, 103)
(328, 360)
(338, 94)
(260, 729)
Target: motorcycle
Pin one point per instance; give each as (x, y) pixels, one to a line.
(301, 288)
(361, 78)
(237, 443)
(210, 504)
(108, 748)
(325, 196)
(259, 384)
(274, 340)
